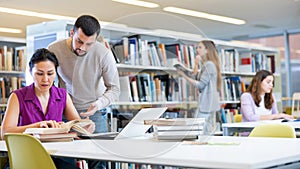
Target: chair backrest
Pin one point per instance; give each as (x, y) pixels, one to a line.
(26, 152)
(296, 105)
(273, 130)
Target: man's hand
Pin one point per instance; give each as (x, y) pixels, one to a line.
(91, 127)
(91, 111)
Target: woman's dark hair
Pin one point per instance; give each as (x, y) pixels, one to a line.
(255, 89)
(43, 55)
(88, 24)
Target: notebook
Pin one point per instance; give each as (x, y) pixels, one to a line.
(134, 128)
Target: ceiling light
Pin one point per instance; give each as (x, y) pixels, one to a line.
(138, 3)
(10, 30)
(34, 14)
(204, 15)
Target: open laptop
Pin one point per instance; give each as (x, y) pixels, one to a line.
(134, 128)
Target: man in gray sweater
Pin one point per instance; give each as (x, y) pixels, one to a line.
(83, 64)
(83, 61)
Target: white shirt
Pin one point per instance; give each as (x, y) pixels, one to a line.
(261, 110)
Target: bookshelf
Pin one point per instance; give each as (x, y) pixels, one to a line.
(12, 68)
(148, 42)
(240, 61)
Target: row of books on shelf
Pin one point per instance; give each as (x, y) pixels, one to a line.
(12, 59)
(246, 61)
(227, 114)
(232, 88)
(156, 88)
(134, 50)
(145, 87)
(9, 84)
(123, 165)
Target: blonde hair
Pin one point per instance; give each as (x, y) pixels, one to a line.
(212, 55)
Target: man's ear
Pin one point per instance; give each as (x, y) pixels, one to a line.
(71, 32)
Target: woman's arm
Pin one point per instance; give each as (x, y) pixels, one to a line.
(196, 66)
(11, 117)
(247, 108)
(70, 112)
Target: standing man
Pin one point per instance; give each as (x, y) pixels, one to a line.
(83, 62)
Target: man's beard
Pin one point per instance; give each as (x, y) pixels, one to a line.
(77, 53)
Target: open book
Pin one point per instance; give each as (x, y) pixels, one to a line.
(76, 125)
(186, 71)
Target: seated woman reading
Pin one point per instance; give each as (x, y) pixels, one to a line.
(41, 104)
(258, 102)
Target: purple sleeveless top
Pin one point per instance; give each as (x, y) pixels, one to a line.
(31, 110)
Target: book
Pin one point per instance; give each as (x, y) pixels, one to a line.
(67, 139)
(175, 121)
(55, 135)
(178, 128)
(76, 125)
(185, 70)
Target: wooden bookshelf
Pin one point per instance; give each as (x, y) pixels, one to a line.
(12, 66)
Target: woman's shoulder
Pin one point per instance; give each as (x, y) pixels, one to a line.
(210, 65)
(58, 92)
(246, 95)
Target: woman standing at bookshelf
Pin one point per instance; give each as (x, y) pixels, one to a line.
(258, 102)
(208, 82)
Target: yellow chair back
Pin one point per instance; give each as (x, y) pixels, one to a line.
(26, 152)
(273, 130)
(237, 118)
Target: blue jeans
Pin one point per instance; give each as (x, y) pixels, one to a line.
(100, 120)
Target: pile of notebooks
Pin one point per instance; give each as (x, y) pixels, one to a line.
(177, 128)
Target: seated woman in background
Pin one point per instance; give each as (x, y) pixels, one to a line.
(258, 102)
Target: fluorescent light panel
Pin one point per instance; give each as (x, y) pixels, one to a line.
(204, 15)
(138, 3)
(10, 30)
(34, 14)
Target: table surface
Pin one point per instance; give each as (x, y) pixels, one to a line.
(220, 152)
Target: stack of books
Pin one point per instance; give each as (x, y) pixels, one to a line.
(51, 134)
(177, 128)
(67, 132)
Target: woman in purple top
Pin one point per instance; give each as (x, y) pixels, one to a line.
(258, 102)
(41, 104)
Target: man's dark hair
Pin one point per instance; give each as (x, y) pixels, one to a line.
(88, 24)
(41, 55)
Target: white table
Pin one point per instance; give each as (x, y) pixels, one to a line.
(230, 128)
(250, 153)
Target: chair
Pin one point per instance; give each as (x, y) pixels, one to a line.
(273, 130)
(238, 118)
(296, 101)
(26, 152)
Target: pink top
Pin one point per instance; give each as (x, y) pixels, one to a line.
(31, 110)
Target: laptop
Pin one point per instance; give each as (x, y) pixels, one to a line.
(134, 128)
